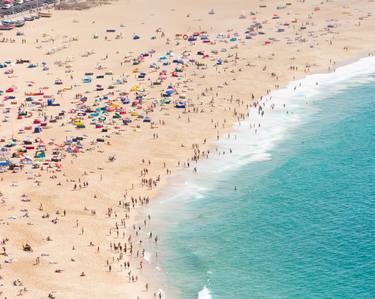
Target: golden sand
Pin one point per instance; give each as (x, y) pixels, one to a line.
(317, 36)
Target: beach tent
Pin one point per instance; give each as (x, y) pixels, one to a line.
(168, 93)
(40, 155)
(37, 129)
(4, 163)
(180, 105)
(87, 79)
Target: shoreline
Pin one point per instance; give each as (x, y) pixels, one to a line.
(180, 187)
(181, 184)
(108, 185)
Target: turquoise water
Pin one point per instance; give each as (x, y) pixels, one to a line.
(302, 221)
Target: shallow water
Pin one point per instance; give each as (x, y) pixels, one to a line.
(301, 223)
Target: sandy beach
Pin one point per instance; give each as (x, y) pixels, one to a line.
(100, 107)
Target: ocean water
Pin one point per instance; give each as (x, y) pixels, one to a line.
(301, 223)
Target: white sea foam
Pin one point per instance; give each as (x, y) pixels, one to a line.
(147, 256)
(204, 293)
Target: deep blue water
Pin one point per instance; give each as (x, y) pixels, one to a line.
(300, 225)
